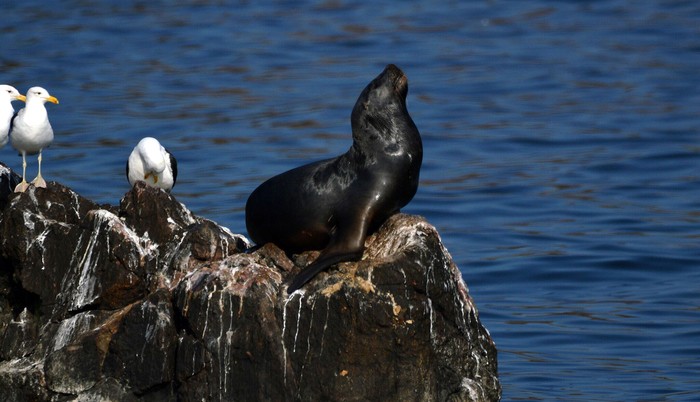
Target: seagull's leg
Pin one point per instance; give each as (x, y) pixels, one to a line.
(39, 181)
(21, 187)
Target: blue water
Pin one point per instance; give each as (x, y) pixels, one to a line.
(561, 160)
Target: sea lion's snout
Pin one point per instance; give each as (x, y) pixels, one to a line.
(397, 78)
(401, 83)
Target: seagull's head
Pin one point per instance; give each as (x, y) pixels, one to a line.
(12, 93)
(153, 156)
(41, 94)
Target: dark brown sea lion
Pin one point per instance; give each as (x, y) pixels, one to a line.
(332, 205)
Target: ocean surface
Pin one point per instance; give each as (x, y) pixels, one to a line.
(561, 148)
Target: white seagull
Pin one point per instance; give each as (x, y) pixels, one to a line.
(32, 132)
(152, 163)
(7, 95)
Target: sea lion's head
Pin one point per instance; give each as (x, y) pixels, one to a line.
(380, 112)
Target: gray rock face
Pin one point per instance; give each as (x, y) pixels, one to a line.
(146, 301)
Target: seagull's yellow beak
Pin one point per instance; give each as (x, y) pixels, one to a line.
(23, 98)
(52, 99)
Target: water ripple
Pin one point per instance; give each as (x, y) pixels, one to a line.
(561, 148)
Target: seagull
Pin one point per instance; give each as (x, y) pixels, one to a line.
(7, 95)
(31, 132)
(152, 163)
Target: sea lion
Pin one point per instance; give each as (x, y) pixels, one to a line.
(333, 204)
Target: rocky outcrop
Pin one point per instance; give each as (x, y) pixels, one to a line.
(146, 301)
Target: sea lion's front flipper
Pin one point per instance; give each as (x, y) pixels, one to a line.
(344, 246)
(317, 266)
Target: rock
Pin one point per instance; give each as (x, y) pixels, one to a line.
(8, 181)
(146, 301)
